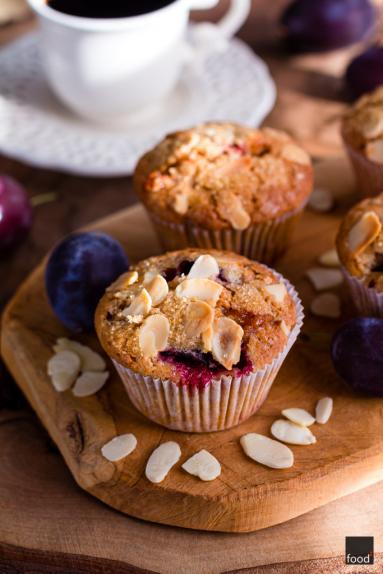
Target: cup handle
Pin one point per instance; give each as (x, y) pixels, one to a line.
(208, 37)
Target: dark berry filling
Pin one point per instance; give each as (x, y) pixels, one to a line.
(172, 272)
(197, 369)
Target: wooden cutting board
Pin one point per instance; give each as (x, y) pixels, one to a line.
(247, 496)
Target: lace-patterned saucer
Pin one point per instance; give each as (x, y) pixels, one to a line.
(37, 129)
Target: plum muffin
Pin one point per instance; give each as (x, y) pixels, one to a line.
(362, 132)
(198, 337)
(360, 249)
(225, 186)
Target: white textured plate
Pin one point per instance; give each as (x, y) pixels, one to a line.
(37, 129)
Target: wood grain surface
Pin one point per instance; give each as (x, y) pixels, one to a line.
(246, 496)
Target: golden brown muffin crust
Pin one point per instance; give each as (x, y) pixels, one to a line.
(220, 176)
(362, 126)
(251, 309)
(360, 242)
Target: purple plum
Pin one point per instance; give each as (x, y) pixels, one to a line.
(357, 354)
(78, 271)
(15, 213)
(320, 25)
(365, 72)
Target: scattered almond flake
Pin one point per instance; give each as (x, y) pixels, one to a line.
(299, 417)
(285, 328)
(326, 305)
(291, 433)
(199, 318)
(141, 305)
(119, 447)
(322, 279)
(90, 360)
(203, 465)
(278, 291)
(226, 342)
(292, 152)
(329, 258)
(200, 290)
(323, 410)
(205, 267)
(149, 275)
(374, 151)
(181, 203)
(267, 451)
(321, 200)
(89, 383)
(364, 232)
(63, 369)
(125, 280)
(157, 289)
(162, 459)
(231, 209)
(153, 335)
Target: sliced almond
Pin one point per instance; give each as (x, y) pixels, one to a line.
(63, 369)
(374, 151)
(326, 305)
(292, 152)
(321, 200)
(323, 410)
(278, 291)
(200, 290)
(285, 328)
(226, 342)
(125, 280)
(141, 305)
(299, 417)
(119, 447)
(199, 318)
(232, 210)
(157, 289)
(90, 360)
(291, 433)
(267, 451)
(205, 267)
(329, 258)
(162, 459)
(181, 203)
(89, 383)
(322, 279)
(364, 232)
(203, 465)
(154, 334)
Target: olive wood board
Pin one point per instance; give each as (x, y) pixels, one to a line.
(247, 496)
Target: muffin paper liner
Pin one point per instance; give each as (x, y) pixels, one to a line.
(262, 241)
(367, 300)
(369, 175)
(221, 404)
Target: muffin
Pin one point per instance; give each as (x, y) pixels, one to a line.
(198, 336)
(225, 186)
(362, 132)
(360, 248)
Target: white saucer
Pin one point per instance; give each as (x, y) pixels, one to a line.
(36, 129)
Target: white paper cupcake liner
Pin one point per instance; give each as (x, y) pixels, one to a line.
(369, 175)
(221, 404)
(263, 242)
(368, 302)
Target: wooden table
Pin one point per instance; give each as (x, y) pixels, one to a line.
(38, 497)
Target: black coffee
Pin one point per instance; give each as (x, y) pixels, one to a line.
(107, 8)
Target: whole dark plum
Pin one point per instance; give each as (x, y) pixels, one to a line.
(319, 25)
(357, 354)
(15, 213)
(78, 271)
(365, 72)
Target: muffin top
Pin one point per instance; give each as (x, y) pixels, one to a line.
(360, 242)
(363, 125)
(224, 176)
(193, 315)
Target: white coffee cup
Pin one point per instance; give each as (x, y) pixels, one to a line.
(106, 68)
